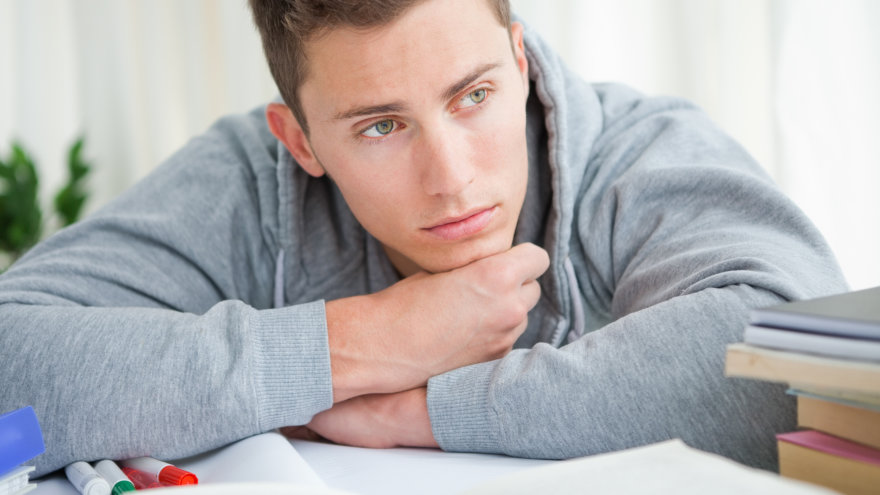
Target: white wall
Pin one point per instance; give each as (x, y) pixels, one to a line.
(794, 80)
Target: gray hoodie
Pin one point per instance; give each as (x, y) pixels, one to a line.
(188, 313)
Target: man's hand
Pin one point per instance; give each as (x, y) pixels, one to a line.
(375, 421)
(425, 325)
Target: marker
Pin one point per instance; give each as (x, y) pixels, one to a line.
(86, 480)
(167, 474)
(119, 483)
(140, 479)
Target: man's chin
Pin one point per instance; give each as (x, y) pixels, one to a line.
(458, 258)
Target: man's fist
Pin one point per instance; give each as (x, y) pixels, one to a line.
(425, 325)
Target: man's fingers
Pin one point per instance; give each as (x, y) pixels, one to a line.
(301, 433)
(530, 293)
(531, 259)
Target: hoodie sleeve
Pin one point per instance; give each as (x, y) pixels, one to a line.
(147, 328)
(677, 235)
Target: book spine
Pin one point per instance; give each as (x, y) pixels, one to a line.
(847, 476)
(799, 370)
(823, 345)
(853, 423)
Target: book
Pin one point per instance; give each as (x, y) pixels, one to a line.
(813, 343)
(858, 399)
(801, 370)
(825, 460)
(20, 441)
(20, 438)
(17, 481)
(852, 423)
(852, 314)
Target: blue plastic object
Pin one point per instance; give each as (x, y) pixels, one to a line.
(20, 438)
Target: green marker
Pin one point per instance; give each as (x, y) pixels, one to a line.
(118, 481)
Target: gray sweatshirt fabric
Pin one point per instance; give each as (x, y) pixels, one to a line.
(188, 313)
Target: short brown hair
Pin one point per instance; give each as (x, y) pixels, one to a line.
(286, 25)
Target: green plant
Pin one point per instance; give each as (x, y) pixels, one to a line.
(21, 217)
(71, 198)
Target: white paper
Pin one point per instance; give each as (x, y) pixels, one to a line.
(266, 458)
(270, 463)
(261, 458)
(405, 470)
(662, 468)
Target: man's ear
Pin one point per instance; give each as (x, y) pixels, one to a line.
(285, 127)
(519, 52)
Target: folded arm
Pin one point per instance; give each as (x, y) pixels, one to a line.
(670, 252)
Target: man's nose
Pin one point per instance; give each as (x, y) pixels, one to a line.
(446, 161)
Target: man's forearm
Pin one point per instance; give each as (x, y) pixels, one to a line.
(235, 359)
(378, 421)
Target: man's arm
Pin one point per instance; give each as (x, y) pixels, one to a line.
(677, 236)
(148, 328)
(374, 421)
(128, 332)
(673, 249)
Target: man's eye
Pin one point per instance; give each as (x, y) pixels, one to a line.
(381, 128)
(473, 98)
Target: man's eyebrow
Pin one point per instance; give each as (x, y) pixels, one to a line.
(462, 83)
(396, 107)
(369, 110)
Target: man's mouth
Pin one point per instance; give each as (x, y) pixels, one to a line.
(460, 227)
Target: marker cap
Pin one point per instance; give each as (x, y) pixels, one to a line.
(86, 480)
(173, 475)
(122, 487)
(96, 486)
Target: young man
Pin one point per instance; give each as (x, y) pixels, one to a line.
(512, 261)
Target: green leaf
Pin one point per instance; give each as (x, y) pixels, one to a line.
(70, 200)
(20, 213)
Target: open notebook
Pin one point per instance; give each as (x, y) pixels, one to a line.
(270, 464)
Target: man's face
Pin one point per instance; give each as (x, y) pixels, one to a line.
(421, 124)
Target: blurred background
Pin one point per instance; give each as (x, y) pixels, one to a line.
(796, 81)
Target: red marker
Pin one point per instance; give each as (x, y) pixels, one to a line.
(140, 479)
(167, 474)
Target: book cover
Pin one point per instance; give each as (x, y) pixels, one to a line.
(802, 370)
(829, 461)
(853, 314)
(813, 343)
(848, 422)
(20, 438)
(856, 399)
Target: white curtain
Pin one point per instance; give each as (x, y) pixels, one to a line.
(137, 78)
(796, 81)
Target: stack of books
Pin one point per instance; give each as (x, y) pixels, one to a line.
(20, 441)
(828, 351)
